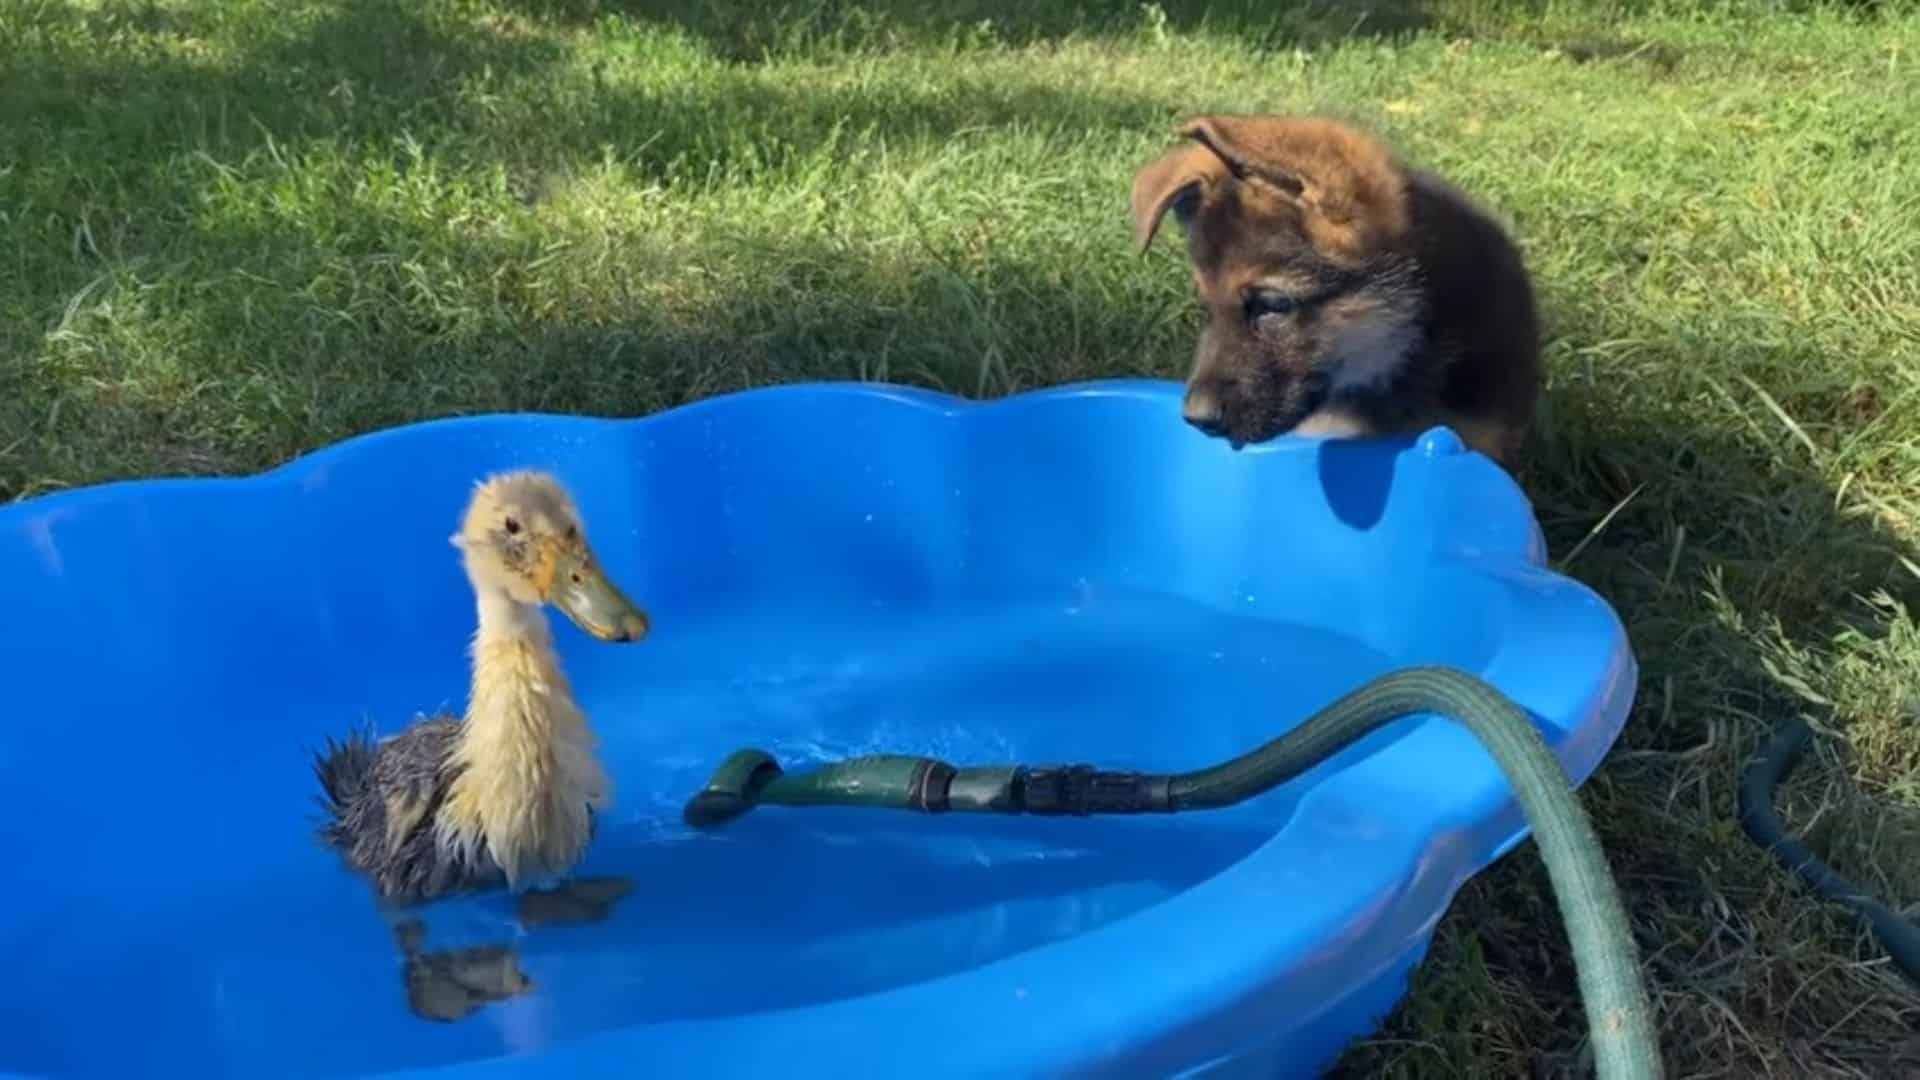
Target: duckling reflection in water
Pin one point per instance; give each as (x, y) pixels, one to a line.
(452, 983)
(581, 900)
(508, 794)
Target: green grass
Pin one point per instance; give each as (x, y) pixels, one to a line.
(239, 229)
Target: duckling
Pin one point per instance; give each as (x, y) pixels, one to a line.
(509, 793)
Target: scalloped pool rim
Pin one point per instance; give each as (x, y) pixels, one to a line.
(1219, 970)
(1440, 440)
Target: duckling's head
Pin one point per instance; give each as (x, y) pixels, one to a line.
(523, 536)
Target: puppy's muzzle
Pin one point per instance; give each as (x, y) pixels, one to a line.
(1203, 409)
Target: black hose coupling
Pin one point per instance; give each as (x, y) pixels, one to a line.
(1080, 790)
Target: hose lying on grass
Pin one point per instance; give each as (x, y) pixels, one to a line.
(1900, 938)
(1619, 1016)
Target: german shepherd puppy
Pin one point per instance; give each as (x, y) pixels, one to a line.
(1348, 293)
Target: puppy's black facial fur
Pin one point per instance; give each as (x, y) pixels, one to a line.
(1283, 347)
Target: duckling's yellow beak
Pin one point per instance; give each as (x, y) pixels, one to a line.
(584, 593)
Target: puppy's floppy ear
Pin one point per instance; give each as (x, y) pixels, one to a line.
(1238, 142)
(1217, 148)
(1346, 185)
(1176, 181)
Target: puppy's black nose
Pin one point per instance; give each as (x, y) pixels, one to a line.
(1203, 410)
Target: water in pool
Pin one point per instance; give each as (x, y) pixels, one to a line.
(286, 969)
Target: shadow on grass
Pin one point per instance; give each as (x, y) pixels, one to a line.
(154, 122)
(377, 350)
(758, 29)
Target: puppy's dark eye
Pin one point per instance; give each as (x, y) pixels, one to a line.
(1269, 302)
(512, 526)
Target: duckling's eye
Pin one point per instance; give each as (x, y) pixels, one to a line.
(573, 532)
(576, 577)
(513, 526)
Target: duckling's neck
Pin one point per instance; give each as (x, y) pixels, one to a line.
(506, 620)
(519, 701)
(527, 768)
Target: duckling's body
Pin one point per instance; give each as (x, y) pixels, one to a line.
(508, 794)
(381, 798)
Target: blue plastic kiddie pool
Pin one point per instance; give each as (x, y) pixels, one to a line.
(831, 570)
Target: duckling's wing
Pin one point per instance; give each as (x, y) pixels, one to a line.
(407, 806)
(408, 778)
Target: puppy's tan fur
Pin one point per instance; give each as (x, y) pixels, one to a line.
(1349, 294)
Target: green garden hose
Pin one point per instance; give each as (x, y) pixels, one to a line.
(1898, 936)
(1619, 1014)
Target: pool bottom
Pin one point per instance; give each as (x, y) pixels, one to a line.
(285, 969)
